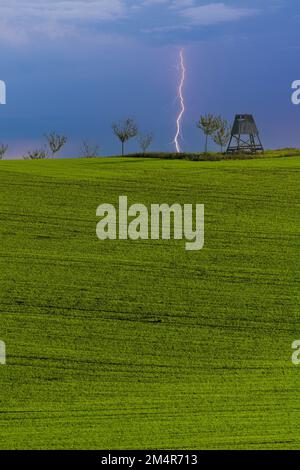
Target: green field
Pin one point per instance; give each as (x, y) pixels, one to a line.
(142, 345)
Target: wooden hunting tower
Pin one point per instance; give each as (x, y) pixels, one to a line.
(244, 135)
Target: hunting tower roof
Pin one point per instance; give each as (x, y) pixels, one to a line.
(244, 124)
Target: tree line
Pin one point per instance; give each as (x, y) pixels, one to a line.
(214, 127)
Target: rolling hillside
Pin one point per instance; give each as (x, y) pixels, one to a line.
(142, 345)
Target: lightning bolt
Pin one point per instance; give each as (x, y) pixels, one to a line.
(181, 99)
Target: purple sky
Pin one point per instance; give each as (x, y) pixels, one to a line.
(77, 66)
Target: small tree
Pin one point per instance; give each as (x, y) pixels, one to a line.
(89, 151)
(3, 150)
(145, 140)
(56, 142)
(209, 124)
(125, 131)
(223, 133)
(37, 154)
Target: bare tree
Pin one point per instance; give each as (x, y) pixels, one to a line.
(223, 133)
(145, 140)
(88, 150)
(56, 142)
(37, 154)
(125, 131)
(3, 150)
(209, 124)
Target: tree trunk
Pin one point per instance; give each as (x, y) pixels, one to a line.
(206, 142)
(122, 149)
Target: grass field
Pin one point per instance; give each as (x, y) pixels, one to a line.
(142, 345)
